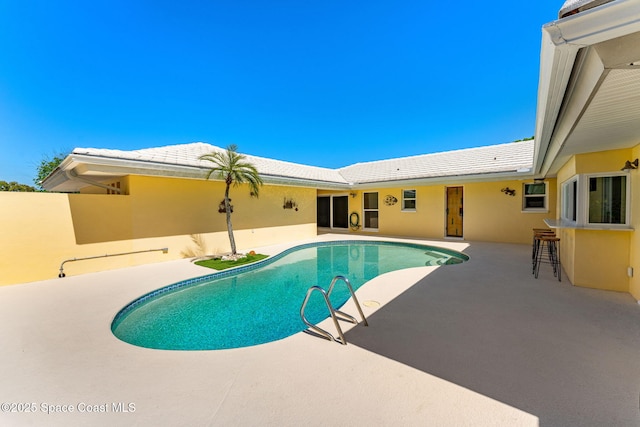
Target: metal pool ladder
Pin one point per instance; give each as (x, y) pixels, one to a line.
(335, 314)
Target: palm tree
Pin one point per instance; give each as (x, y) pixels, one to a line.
(232, 168)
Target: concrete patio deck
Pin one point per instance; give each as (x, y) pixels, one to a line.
(480, 343)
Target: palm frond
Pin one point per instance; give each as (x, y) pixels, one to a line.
(232, 167)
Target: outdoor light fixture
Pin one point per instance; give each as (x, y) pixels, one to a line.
(508, 191)
(629, 165)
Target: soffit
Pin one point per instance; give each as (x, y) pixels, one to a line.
(610, 120)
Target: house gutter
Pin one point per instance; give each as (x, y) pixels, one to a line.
(119, 167)
(73, 176)
(562, 40)
(517, 175)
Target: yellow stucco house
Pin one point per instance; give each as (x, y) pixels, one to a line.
(112, 201)
(587, 129)
(570, 177)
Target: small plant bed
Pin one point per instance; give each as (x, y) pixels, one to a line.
(221, 263)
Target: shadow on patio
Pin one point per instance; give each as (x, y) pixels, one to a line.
(568, 355)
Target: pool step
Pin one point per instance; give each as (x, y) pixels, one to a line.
(335, 314)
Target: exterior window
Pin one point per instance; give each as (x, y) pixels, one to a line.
(370, 210)
(535, 197)
(324, 211)
(570, 200)
(596, 200)
(408, 200)
(608, 199)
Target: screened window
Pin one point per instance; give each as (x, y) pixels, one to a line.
(534, 197)
(408, 200)
(370, 210)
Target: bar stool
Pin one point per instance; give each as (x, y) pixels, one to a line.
(552, 245)
(535, 244)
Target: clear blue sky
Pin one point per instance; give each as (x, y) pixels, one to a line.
(325, 83)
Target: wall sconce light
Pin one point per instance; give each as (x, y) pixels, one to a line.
(629, 165)
(289, 204)
(508, 191)
(353, 195)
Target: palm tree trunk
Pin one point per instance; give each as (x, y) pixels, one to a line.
(227, 208)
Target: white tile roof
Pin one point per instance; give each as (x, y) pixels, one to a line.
(503, 158)
(575, 6)
(512, 157)
(188, 155)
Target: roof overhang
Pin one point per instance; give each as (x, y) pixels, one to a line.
(589, 85)
(80, 170)
(516, 175)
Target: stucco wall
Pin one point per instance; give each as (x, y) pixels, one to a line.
(489, 214)
(40, 230)
(599, 258)
(634, 252)
(426, 221)
(493, 216)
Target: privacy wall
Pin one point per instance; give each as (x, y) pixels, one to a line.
(41, 230)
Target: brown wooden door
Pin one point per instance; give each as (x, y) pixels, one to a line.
(455, 211)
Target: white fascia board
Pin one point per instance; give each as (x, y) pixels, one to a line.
(120, 167)
(608, 21)
(590, 72)
(555, 70)
(299, 182)
(58, 176)
(561, 41)
(449, 180)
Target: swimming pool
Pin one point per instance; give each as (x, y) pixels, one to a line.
(259, 303)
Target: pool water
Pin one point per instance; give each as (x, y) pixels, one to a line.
(261, 303)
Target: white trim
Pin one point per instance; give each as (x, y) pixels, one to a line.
(561, 41)
(582, 197)
(563, 200)
(415, 200)
(627, 214)
(364, 212)
(544, 209)
(330, 197)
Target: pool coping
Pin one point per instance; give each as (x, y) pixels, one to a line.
(149, 296)
(58, 349)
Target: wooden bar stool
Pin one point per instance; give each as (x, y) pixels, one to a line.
(552, 245)
(535, 244)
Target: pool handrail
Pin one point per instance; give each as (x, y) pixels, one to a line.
(353, 295)
(318, 331)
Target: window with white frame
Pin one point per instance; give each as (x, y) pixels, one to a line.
(408, 200)
(607, 199)
(370, 208)
(570, 200)
(534, 197)
(596, 199)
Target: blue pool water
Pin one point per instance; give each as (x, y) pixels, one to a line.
(261, 302)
